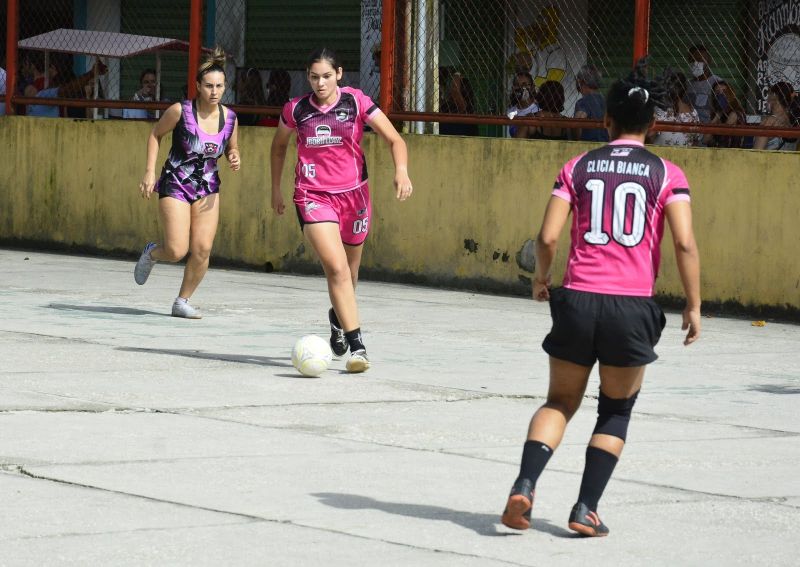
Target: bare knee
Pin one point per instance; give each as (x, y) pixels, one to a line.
(565, 406)
(201, 253)
(337, 272)
(172, 253)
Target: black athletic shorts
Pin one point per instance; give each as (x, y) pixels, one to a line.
(617, 330)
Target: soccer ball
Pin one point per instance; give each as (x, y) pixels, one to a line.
(311, 355)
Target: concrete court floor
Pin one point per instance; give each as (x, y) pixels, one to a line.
(128, 437)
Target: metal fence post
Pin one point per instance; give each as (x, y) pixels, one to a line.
(641, 30)
(387, 55)
(12, 32)
(195, 46)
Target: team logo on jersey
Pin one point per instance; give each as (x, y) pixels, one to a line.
(323, 137)
(621, 152)
(361, 212)
(311, 206)
(210, 148)
(342, 115)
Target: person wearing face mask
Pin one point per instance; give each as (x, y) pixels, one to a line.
(701, 87)
(725, 109)
(779, 100)
(522, 99)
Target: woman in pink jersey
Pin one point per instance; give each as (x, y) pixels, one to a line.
(188, 189)
(331, 194)
(620, 196)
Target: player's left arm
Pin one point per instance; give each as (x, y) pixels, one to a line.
(381, 124)
(232, 151)
(555, 217)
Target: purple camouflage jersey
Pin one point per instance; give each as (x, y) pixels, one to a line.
(190, 172)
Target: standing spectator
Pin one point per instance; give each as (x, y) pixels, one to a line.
(459, 99)
(678, 109)
(279, 85)
(251, 93)
(701, 87)
(146, 93)
(779, 100)
(522, 98)
(591, 105)
(727, 110)
(551, 103)
(64, 84)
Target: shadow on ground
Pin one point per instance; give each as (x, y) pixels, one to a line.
(481, 524)
(104, 309)
(282, 362)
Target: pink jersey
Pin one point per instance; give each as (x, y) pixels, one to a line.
(329, 155)
(618, 194)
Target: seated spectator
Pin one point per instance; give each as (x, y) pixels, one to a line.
(279, 85)
(701, 86)
(678, 109)
(591, 105)
(459, 99)
(725, 109)
(251, 93)
(146, 93)
(65, 85)
(550, 99)
(522, 98)
(779, 101)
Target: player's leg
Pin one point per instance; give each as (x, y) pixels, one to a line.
(338, 341)
(175, 215)
(203, 229)
(630, 327)
(567, 385)
(175, 218)
(324, 237)
(570, 346)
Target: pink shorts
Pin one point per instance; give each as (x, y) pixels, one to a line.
(351, 210)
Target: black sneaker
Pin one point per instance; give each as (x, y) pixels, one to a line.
(586, 522)
(339, 344)
(517, 514)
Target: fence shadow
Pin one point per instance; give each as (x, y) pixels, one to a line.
(281, 362)
(104, 309)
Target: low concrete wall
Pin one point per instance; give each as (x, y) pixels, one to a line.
(476, 202)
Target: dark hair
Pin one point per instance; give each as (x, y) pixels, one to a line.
(697, 48)
(527, 75)
(676, 87)
(251, 91)
(631, 102)
(551, 96)
(145, 73)
(590, 76)
(323, 54)
(279, 83)
(214, 61)
(783, 91)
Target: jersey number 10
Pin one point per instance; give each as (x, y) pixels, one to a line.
(596, 234)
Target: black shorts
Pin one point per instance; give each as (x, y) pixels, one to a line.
(617, 330)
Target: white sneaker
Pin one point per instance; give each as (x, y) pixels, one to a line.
(358, 361)
(145, 264)
(183, 309)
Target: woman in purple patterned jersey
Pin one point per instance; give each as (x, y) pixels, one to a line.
(188, 189)
(331, 194)
(620, 197)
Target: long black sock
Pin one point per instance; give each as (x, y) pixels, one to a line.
(333, 318)
(534, 458)
(596, 474)
(354, 339)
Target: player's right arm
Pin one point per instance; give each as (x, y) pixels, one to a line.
(166, 124)
(679, 217)
(277, 157)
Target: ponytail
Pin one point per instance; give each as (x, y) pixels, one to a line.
(214, 61)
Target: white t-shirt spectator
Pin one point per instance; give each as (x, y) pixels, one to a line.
(514, 112)
(677, 138)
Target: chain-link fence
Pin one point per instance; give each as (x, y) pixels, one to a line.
(466, 56)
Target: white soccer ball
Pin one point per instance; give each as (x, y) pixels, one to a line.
(311, 355)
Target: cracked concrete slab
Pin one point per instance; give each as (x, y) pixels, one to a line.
(128, 437)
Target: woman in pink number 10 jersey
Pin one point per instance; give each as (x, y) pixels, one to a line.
(619, 195)
(331, 194)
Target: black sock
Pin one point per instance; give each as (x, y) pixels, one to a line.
(354, 340)
(596, 474)
(333, 318)
(534, 458)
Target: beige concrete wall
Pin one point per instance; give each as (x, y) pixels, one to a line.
(476, 202)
